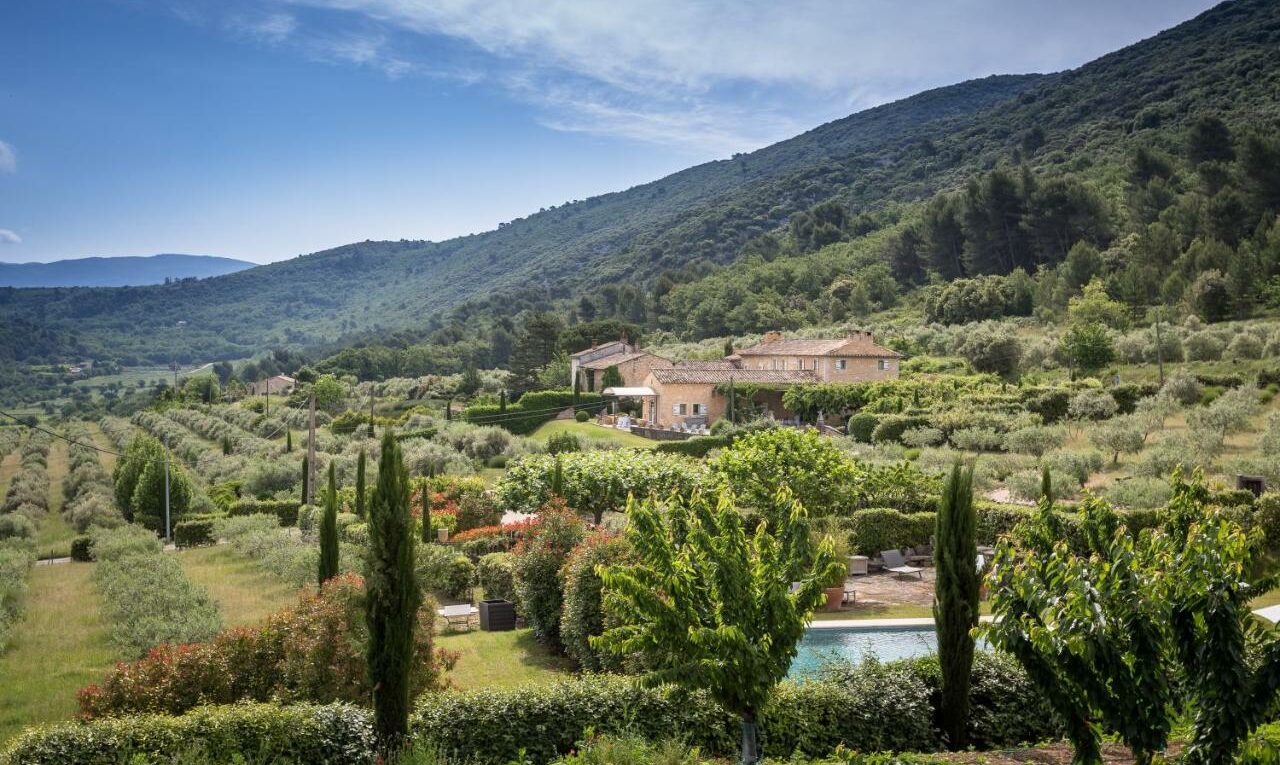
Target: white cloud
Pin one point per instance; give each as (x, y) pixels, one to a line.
(668, 70)
(9, 237)
(8, 159)
(274, 27)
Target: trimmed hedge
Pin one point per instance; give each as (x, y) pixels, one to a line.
(285, 510)
(195, 532)
(336, 734)
(532, 410)
(698, 446)
(882, 528)
(870, 707)
(891, 427)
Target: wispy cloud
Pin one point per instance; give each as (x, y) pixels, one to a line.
(8, 236)
(724, 74)
(8, 158)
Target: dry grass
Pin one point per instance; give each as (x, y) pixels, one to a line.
(244, 591)
(60, 646)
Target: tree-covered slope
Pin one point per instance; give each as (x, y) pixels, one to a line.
(117, 272)
(678, 228)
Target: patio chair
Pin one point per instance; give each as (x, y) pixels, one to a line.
(455, 614)
(850, 595)
(893, 561)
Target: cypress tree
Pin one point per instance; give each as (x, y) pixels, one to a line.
(305, 475)
(288, 442)
(392, 597)
(502, 402)
(360, 509)
(557, 478)
(329, 532)
(426, 512)
(448, 409)
(955, 608)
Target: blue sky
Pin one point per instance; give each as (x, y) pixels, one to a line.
(261, 129)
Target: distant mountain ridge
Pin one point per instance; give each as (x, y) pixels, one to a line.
(127, 271)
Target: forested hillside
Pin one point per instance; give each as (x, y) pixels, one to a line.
(1036, 163)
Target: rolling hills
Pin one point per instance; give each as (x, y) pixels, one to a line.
(117, 272)
(685, 225)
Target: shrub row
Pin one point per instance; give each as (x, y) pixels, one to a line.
(16, 559)
(336, 734)
(161, 607)
(870, 708)
(196, 530)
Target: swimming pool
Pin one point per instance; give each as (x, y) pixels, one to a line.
(854, 644)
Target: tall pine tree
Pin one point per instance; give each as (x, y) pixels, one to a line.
(955, 608)
(392, 597)
(329, 532)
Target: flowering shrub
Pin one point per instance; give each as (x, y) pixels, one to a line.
(311, 652)
(537, 563)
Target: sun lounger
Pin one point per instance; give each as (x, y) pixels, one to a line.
(459, 614)
(893, 561)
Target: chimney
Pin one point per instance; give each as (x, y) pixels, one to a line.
(771, 337)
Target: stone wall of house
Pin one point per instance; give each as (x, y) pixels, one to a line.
(857, 369)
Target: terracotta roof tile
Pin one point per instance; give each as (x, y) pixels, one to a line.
(853, 346)
(679, 376)
(615, 359)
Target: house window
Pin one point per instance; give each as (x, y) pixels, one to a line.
(842, 364)
(801, 363)
(700, 409)
(884, 364)
(679, 409)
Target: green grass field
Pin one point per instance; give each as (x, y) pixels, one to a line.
(60, 646)
(592, 431)
(53, 537)
(244, 591)
(501, 659)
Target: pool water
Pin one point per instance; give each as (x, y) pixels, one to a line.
(885, 643)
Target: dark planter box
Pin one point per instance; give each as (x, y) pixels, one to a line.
(497, 615)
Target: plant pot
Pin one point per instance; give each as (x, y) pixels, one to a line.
(497, 615)
(442, 535)
(835, 598)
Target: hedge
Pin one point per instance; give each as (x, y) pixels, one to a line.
(532, 410)
(337, 734)
(861, 425)
(880, 528)
(869, 707)
(495, 573)
(698, 446)
(285, 510)
(194, 532)
(891, 427)
(81, 549)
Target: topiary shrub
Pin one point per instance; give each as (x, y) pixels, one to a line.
(581, 415)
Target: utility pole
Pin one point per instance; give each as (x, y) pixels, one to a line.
(267, 409)
(168, 534)
(370, 409)
(311, 452)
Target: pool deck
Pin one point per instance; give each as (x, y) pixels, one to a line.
(873, 624)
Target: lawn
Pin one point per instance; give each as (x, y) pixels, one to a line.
(53, 537)
(592, 431)
(60, 646)
(244, 591)
(501, 659)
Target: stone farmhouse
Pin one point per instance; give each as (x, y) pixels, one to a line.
(683, 394)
